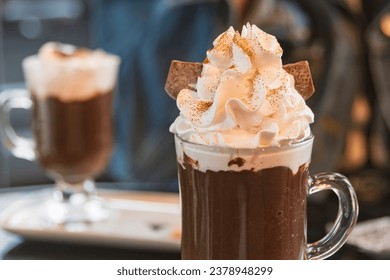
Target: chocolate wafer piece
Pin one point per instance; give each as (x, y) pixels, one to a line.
(302, 76)
(182, 74)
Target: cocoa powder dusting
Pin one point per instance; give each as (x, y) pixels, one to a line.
(202, 106)
(244, 45)
(222, 44)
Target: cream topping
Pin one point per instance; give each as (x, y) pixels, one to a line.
(243, 98)
(203, 157)
(70, 73)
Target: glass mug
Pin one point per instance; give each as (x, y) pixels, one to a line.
(251, 203)
(72, 139)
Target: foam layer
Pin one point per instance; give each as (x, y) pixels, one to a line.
(69, 73)
(243, 98)
(203, 157)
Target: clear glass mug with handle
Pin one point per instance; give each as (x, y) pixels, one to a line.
(72, 125)
(251, 203)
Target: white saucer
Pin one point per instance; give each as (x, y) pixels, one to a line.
(146, 220)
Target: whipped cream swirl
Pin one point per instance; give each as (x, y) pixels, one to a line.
(243, 98)
(70, 73)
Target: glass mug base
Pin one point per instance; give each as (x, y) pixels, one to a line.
(68, 207)
(92, 210)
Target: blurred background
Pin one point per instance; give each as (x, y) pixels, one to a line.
(347, 43)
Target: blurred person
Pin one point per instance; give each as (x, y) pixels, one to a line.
(147, 35)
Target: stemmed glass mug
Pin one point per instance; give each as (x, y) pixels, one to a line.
(70, 94)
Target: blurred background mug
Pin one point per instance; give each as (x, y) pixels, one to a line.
(72, 124)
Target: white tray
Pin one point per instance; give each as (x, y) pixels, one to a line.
(372, 237)
(139, 219)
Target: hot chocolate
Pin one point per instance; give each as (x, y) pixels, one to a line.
(70, 94)
(72, 90)
(73, 139)
(243, 215)
(243, 145)
(243, 203)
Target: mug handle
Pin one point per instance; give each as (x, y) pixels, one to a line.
(20, 147)
(346, 216)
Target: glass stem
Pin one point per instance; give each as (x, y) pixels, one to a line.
(77, 203)
(76, 193)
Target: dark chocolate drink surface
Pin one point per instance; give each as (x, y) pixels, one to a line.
(243, 214)
(74, 139)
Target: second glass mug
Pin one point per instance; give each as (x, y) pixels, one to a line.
(231, 210)
(72, 141)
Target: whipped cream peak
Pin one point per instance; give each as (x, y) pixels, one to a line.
(243, 97)
(70, 73)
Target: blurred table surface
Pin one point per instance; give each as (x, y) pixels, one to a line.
(14, 247)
